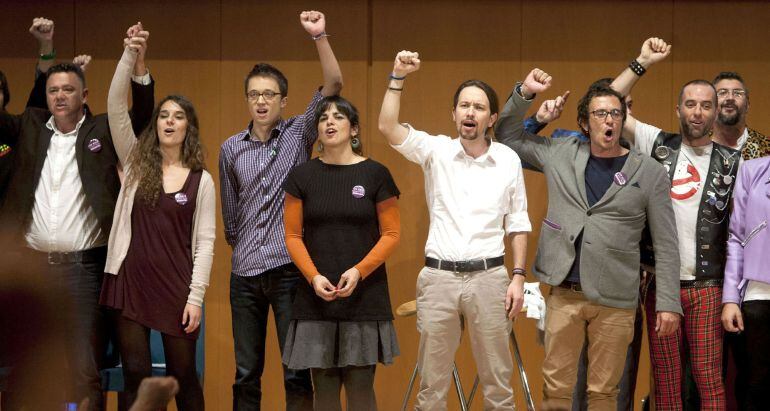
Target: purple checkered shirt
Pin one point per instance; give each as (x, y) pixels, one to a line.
(251, 174)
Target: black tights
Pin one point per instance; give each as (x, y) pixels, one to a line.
(359, 388)
(134, 341)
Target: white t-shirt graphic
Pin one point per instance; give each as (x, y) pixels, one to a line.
(690, 176)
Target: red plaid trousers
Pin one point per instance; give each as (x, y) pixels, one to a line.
(702, 328)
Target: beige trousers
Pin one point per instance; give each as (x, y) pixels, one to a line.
(444, 298)
(570, 319)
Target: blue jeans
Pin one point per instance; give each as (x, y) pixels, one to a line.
(250, 301)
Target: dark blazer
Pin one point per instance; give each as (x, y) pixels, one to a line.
(612, 228)
(36, 99)
(29, 138)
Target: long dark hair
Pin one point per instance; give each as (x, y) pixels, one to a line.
(145, 161)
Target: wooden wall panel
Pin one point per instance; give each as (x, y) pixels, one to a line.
(179, 30)
(271, 31)
(17, 17)
(203, 49)
(729, 36)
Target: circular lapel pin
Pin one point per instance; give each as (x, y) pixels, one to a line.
(620, 178)
(181, 198)
(95, 145)
(358, 191)
(661, 152)
(728, 179)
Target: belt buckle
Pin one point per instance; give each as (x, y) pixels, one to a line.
(55, 258)
(461, 266)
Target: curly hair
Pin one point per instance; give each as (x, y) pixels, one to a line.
(145, 161)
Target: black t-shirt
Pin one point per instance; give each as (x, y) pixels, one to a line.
(340, 227)
(600, 173)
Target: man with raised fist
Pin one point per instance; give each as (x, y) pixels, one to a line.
(601, 194)
(475, 192)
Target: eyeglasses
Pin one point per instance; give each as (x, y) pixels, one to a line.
(737, 93)
(254, 95)
(602, 114)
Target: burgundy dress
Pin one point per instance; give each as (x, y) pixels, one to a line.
(154, 280)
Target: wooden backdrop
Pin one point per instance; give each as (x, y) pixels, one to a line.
(203, 49)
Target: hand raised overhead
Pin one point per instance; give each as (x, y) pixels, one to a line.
(551, 110)
(136, 39)
(314, 22)
(406, 62)
(82, 61)
(654, 49)
(537, 81)
(42, 29)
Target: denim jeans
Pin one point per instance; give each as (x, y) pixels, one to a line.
(250, 301)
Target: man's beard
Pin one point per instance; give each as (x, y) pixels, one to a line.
(689, 133)
(728, 119)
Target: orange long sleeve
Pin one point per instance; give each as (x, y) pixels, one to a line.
(292, 221)
(390, 234)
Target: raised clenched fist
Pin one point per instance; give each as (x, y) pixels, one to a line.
(653, 50)
(406, 62)
(313, 22)
(42, 29)
(82, 61)
(537, 81)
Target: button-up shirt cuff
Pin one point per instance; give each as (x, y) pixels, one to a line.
(143, 80)
(517, 222)
(418, 145)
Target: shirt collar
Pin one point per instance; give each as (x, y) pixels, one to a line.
(51, 125)
(460, 154)
(276, 131)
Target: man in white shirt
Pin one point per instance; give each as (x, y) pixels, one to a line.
(58, 211)
(475, 195)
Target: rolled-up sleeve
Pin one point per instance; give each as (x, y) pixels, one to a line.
(517, 217)
(418, 145)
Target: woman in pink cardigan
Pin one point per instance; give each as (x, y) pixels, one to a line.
(161, 244)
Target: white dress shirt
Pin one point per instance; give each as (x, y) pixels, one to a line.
(62, 219)
(472, 202)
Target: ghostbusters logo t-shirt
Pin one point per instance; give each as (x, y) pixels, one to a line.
(690, 176)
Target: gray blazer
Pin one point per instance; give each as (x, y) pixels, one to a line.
(612, 228)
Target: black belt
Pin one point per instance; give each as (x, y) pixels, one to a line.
(92, 255)
(572, 286)
(465, 266)
(712, 282)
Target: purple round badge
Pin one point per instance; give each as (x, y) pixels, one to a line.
(95, 145)
(358, 191)
(620, 178)
(181, 198)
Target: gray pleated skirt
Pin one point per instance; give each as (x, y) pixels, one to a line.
(332, 344)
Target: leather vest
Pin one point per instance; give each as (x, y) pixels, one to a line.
(713, 213)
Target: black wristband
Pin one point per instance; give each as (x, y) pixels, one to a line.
(519, 271)
(637, 68)
(393, 76)
(395, 88)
